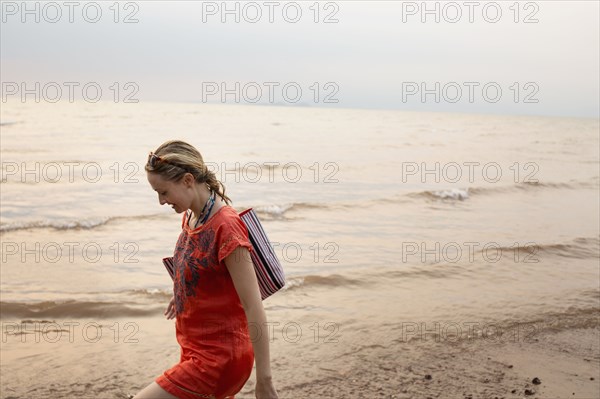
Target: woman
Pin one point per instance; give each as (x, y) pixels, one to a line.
(216, 294)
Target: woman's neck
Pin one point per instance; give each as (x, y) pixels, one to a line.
(202, 198)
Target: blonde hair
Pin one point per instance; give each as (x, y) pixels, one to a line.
(179, 158)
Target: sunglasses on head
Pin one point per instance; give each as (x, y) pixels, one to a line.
(154, 159)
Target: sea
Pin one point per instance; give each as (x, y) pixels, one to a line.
(393, 227)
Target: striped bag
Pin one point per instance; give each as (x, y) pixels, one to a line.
(168, 262)
(269, 272)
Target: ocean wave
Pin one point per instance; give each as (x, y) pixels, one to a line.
(332, 280)
(449, 194)
(461, 194)
(132, 303)
(75, 309)
(58, 225)
(10, 123)
(155, 293)
(278, 210)
(429, 272)
(70, 224)
(531, 186)
(274, 211)
(578, 248)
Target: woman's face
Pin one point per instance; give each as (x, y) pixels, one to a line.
(176, 194)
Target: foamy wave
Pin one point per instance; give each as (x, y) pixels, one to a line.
(68, 224)
(332, 280)
(458, 194)
(454, 194)
(278, 210)
(58, 225)
(274, 210)
(461, 194)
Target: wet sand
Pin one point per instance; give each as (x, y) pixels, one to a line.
(362, 359)
(366, 355)
(567, 364)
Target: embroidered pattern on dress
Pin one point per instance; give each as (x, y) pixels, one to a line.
(192, 254)
(229, 239)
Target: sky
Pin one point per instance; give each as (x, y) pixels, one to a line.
(503, 57)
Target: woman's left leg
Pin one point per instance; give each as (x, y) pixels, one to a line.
(154, 391)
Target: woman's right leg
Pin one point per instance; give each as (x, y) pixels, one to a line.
(154, 391)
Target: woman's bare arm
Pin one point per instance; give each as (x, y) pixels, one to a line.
(242, 273)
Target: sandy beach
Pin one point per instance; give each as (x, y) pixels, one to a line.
(567, 365)
(565, 361)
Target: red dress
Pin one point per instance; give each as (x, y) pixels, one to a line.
(211, 327)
